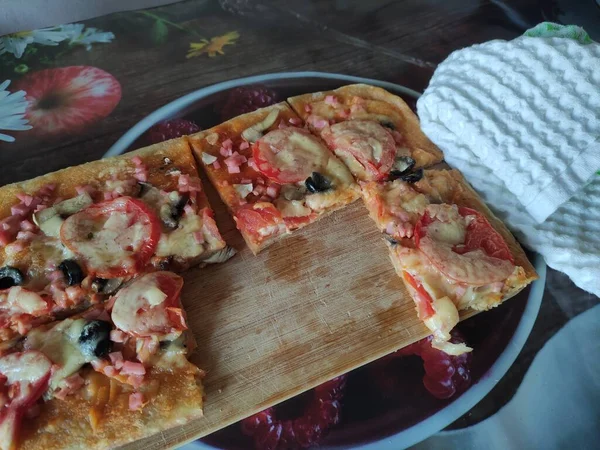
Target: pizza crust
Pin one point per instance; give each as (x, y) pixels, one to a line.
(378, 102)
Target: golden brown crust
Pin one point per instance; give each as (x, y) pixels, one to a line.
(174, 398)
(376, 102)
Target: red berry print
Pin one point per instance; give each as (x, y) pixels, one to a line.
(245, 99)
(170, 129)
(278, 429)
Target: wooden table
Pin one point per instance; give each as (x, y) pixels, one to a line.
(398, 41)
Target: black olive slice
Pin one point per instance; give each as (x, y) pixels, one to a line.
(412, 177)
(94, 340)
(10, 276)
(179, 206)
(390, 239)
(317, 183)
(72, 272)
(402, 166)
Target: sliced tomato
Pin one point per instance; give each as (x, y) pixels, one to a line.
(481, 234)
(461, 262)
(150, 306)
(115, 238)
(423, 300)
(24, 377)
(366, 142)
(289, 155)
(260, 219)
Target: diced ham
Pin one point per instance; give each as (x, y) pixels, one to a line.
(25, 198)
(25, 236)
(260, 180)
(234, 162)
(116, 358)
(141, 176)
(133, 368)
(19, 209)
(135, 380)
(217, 165)
(252, 164)
(118, 336)
(55, 275)
(307, 108)
(331, 100)
(273, 191)
(69, 386)
(137, 160)
(198, 237)
(99, 364)
(86, 189)
(295, 121)
(136, 401)
(189, 210)
(110, 371)
(244, 145)
(282, 125)
(26, 225)
(189, 184)
(317, 122)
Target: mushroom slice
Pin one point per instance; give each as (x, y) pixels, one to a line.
(255, 132)
(49, 220)
(220, 256)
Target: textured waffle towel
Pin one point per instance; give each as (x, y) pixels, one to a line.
(521, 120)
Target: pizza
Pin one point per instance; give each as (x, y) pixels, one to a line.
(274, 175)
(69, 239)
(449, 249)
(372, 131)
(110, 375)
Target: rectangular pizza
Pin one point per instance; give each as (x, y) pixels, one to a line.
(274, 176)
(113, 374)
(447, 246)
(71, 238)
(371, 130)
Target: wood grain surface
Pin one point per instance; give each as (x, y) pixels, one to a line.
(311, 307)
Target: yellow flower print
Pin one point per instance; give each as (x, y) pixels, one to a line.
(212, 47)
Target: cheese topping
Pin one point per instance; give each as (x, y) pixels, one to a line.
(292, 208)
(60, 345)
(181, 241)
(207, 158)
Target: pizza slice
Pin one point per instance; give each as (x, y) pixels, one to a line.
(371, 130)
(113, 374)
(450, 250)
(274, 176)
(71, 238)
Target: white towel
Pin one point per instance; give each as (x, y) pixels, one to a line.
(521, 120)
(528, 109)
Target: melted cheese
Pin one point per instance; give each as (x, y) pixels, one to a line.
(292, 208)
(60, 345)
(181, 241)
(338, 172)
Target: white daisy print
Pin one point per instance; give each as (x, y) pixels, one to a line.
(87, 37)
(16, 43)
(12, 111)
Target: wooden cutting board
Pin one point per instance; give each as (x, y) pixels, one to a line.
(313, 306)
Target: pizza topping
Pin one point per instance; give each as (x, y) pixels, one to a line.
(50, 219)
(365, 146)
(10, 276)
(458, 249)
(402, 166)
(293, 192)
(150, 306)
(72, 272)
(104, 286)
(23, 379)
(220, 256)
(186, 240)
(234, 162)
(212, 138)
(136, 401)
(290, 155)
(115, 238)
(17, 300)
(141, 171)
(243, 190)
(292, 208)
(255, 132)
(317, 122)
(317, 183)
(207, 158)
(408, 177)
(260, 219)
(94, 339)
(332, 100)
